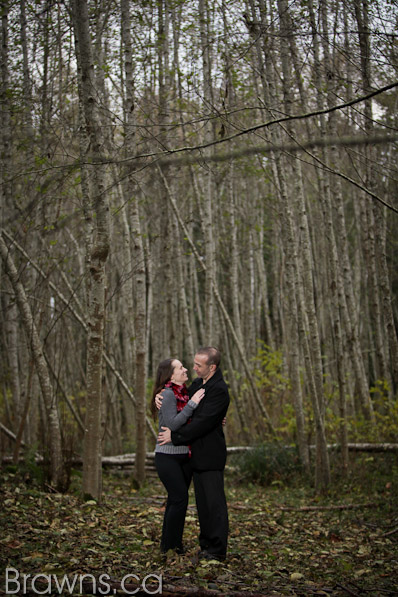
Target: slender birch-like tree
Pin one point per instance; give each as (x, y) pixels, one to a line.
(57, 473)
(99, 250)
(138, 257)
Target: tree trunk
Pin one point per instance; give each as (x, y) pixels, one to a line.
(138, 258)
(57, 471)
(207, 224)
(92, 471)
(335, 287)
(369, 208)
(5, 115)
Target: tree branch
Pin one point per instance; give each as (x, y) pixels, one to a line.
(278, 121)
(341, 174)
(162, 160)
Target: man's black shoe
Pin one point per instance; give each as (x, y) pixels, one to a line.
(206, 555)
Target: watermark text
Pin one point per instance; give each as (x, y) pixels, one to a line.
(51, 584)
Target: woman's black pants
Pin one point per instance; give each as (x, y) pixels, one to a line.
(175, 473)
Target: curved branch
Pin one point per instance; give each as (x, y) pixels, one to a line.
(163, 160)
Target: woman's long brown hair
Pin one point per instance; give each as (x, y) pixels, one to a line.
(163, 375)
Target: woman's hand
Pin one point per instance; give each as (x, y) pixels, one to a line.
(158, 400)
(197, 397)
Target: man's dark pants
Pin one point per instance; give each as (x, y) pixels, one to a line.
(212, 511)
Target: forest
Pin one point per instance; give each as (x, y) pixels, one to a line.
(180, 173)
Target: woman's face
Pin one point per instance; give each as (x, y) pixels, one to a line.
(179, 375)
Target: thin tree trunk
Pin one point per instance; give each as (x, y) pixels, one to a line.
(263, 287)
(207, 224)
(189, 349)
(335, 285)
(57, 471)
(92, 470)
(138, 258)
(5, 115)
(251, 343)
(234, 247)
(369, 207)
(387, 300)
(11, 330)
(27, 84)
(24, 416)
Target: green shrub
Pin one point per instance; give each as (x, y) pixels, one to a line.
(27, 471)
(267, 464)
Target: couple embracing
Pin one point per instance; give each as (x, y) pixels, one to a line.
(191, 445)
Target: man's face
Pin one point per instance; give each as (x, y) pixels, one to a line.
(201, 368)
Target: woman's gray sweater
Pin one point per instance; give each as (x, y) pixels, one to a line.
(169, 417)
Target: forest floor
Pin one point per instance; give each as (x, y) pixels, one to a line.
(283, 540)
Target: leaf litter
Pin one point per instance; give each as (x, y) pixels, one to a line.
(276, 546)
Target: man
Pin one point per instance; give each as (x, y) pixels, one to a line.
(204, 433)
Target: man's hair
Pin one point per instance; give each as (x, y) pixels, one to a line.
(213, 355)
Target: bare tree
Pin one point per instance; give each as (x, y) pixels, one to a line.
(99, 250)
(57, 475)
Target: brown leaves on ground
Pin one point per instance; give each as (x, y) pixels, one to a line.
(275, 547)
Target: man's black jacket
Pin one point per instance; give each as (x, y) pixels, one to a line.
(204, 433)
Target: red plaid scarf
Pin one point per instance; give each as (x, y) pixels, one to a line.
(181, 394)
(182, 397)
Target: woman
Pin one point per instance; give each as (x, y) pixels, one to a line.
(172, 462)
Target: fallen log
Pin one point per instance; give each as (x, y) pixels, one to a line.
(125, 460)
(332, 507)
(357, 447)
(366, 447)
